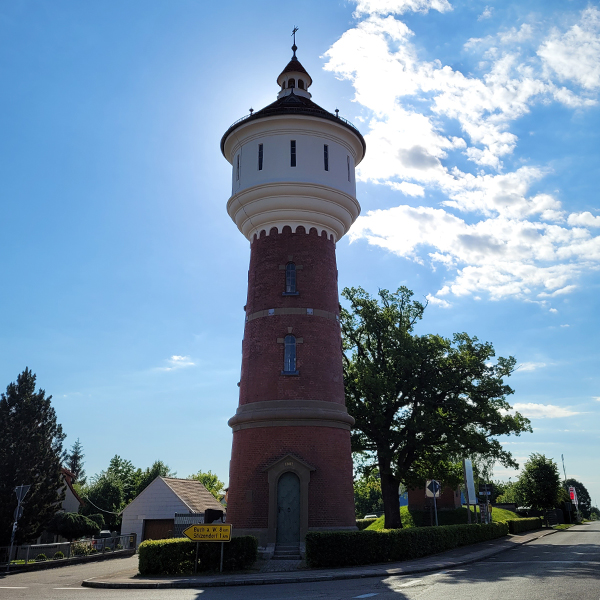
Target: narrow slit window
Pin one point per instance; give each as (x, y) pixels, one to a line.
(291, 83)
(292, 153)
(237, 168)
(289, 357)
(260, 157)
(301, 84)
(348, 163)
(290, 278)
(326, 157)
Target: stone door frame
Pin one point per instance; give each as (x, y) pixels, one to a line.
(302, 469)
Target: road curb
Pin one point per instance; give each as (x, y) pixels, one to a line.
(292, 578)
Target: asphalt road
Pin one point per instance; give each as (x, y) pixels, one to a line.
(563, 565)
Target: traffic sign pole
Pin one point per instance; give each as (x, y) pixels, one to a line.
(21, 492)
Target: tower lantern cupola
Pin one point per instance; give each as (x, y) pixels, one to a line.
(294, 79)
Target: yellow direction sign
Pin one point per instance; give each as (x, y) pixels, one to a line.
(208, 533)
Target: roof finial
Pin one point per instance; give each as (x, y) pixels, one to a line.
(294, 47)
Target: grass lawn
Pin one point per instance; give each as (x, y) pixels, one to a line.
(417, 518)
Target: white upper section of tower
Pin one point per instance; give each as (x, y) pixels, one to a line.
(293, 163)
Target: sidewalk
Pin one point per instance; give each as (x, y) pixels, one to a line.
(445, 560)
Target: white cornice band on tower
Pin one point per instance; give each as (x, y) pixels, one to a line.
(295, 204)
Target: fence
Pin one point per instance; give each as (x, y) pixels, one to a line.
(34, 553)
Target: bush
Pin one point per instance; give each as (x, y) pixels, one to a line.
(519, 525)
(119, 547)
(340, 549)
(176, 556)
(41, 558)
(72, 525)
(364, 523)
(80, 549)
(58, 555)
(98, 519)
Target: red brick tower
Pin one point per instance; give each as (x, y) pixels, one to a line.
(293, 197)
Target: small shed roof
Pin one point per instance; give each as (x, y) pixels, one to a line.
(193, 494)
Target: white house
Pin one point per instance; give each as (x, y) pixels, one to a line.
(151, 514)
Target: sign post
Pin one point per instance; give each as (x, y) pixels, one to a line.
(432, 489)
(469, 487)
(209, 533)
(21, 492)
(486, 489)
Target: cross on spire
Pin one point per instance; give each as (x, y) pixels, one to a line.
(294, 47)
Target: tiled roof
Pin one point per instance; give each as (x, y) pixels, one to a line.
(294, 65)
(193, 493)
(293, 105)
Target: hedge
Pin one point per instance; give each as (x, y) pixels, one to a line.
(364, 523)
(348, 548)
(176, 556)
(520, 525)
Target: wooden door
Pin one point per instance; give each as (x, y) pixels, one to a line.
(288, 509)
(158, 529)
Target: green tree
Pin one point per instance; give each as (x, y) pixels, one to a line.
(539, 483)
(367, 494)
(583, 497)
(124, 471)
(105, 494)
(420, 400)
(72, 525)
(510, 494)
(211, 482)
(75, 462)
(146, 477)
(31, 453)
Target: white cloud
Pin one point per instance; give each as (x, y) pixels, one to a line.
(585, 219)
(486, 14)
(597, 398)
(177, 362)
(543, 411)
(575, 55)
(409, 189)
(398, 7)
(530, 366)
(508, 240)
(437, 301)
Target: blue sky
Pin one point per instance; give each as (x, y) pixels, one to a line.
(124, 279)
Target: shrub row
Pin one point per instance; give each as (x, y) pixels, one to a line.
(519, 525)
(348, 548)
(364, 523)
(176, 556)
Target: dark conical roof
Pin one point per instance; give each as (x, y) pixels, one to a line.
(294, 65)
(293, 105)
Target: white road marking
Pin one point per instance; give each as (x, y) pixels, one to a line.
(72, 588)
(409, 583)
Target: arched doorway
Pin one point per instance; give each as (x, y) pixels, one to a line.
(288, 509)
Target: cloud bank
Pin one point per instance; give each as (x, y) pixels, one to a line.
(435, 130)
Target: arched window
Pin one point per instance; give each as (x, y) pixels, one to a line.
(291, 82)
(289, 355)
(301, 83)
(290, 278)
